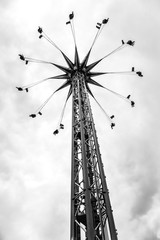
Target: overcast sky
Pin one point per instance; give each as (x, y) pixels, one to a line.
(35, 164)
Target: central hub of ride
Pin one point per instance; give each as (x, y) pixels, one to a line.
(77, 75)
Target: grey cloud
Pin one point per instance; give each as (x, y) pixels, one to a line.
(4, 4)
(142, 172)
(150, 235)
(33, 172)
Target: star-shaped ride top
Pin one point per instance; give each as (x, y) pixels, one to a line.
(77, 66)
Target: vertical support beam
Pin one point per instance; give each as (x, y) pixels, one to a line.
(87, 188)
(75, 228)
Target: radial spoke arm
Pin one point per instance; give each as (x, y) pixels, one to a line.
(60, 125)
(76, 58)
(123, 97)
(108, 117)
(90, 80)
(69, 62)
(64, 69)
(94, 74)
(43, 34)
(27, 60)
(114, 51)
(67, 83)
(38, 111)
(115, 93)
(92, 65)
(132, 72)
(99, 26)
(26, 87)
(71, 23)
(129, 42)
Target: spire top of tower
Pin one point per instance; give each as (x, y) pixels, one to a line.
(76, 58)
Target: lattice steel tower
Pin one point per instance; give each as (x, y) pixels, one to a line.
(91, 210)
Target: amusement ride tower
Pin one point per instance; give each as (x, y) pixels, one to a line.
(91, 212)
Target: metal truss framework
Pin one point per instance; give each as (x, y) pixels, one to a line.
(90, 204)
